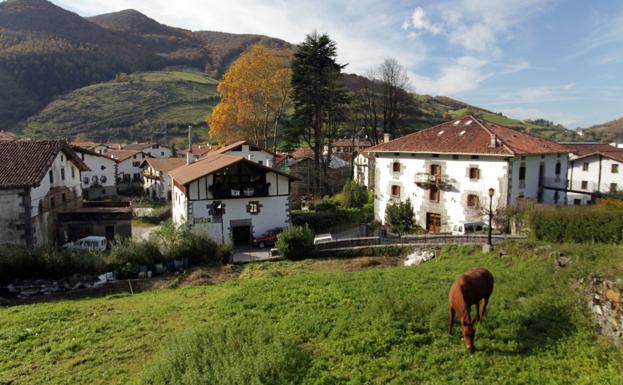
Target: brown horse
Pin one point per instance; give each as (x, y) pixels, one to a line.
(469, 289)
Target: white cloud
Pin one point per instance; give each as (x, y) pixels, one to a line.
(419, 22)
(363, 29)
(523, 113)
(512, 68)
(464, 75)
(538, 94)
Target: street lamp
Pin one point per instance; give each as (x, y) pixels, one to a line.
(491, 192)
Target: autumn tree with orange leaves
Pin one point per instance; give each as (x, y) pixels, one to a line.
(254, 95)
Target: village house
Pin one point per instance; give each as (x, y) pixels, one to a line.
(100, 181)
(128, 167)
(198, 151)
(301, 165)
(595, 169)
(158, 182)
(348, 145)
(100, 148)
(449, 170)
(230, 198)
(38, 180)
(154, 150)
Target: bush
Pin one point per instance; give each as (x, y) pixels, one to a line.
(400, 216)
(353, 195)
(587, 224)
(236, 355)
(323, 220)
(296, 243)
(21, 262)
(125, 255)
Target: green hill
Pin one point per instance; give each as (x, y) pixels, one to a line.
(609, 131)
(325, 322)
(133, 107)
(46, 51)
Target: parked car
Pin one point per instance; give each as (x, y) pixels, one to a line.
(470, 228)
(267, 239)
(323, 238)
(90, 243)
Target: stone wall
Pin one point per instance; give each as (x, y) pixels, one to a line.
(606, 302)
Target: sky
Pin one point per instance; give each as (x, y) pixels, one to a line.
(560, 60)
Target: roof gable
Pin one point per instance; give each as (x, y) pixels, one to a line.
(25, 162)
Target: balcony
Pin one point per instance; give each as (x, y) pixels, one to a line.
(425, 179)
(233, 191)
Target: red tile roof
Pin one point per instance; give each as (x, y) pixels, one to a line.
(469, 135)
(586, 150)
(210, 164)
(5, 135)
(25, 162)
(121, 155)
(301, 153)
(164, 164)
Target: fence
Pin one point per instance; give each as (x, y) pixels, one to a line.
(414, 240)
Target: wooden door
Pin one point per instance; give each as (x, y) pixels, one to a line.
(433, 222)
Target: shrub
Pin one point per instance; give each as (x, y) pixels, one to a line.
(135, 253)
(235, 355)
(199, 249)
(353, 195)
(224, 253)
(296, 243)
(400, 216)
(323, 220)
(587, 224)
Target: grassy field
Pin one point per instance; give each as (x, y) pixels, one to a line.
(131, 110)
(327, 322)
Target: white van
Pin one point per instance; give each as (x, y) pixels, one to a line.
(323, 238)
(470, 228)
(90, 243)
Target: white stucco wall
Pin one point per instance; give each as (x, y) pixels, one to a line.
(452, 204)
(599, 177)
(158, 151)
(10, 204)
(261, 157)
(99, 166)
(530, 187)
(130, 167)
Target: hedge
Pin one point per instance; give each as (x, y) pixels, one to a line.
(320, 221)
(586, 224)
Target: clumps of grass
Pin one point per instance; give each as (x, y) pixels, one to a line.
(247, 354)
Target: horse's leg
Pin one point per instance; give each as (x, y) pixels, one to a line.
(483, 308)
(451, 321)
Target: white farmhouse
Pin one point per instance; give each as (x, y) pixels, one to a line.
(158, 182)
(447, 171)
(38, 180)
(101, 179)
(230, 198)
(595, 168)
(100, 148)
(128, 166)
(154, 150)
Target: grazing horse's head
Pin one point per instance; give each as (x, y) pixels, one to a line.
(468, 333)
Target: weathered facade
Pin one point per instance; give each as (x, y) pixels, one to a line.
(447, 171)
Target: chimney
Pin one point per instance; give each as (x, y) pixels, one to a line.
(493, 142)
(189, 155)
(387, 137)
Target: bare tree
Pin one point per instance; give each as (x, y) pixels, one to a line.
(394, 82)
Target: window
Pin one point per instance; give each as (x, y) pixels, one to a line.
(556, 197)
(558, 168)
(475, 157)
(136, 164)
(577, 202)
(64, 198)
(51, 176)
(52, 203)
(584, 185)
(614, 168)
(161, 153)
(136, 177)
(522, 172)
(134, 156)
(455, 157)
(253, 208)
(85, 180)
(472, 201)
(396, 167)
(435, 169)
(62, 158)
(585, 166)
(103, 167)
(474, 173)
(62, 174)
(435, 155)
(395, 191)
(434, 194)
(73, 172)
(613, 187)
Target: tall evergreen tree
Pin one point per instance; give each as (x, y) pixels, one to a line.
(319, 99)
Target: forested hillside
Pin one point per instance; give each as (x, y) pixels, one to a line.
(47, 51)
